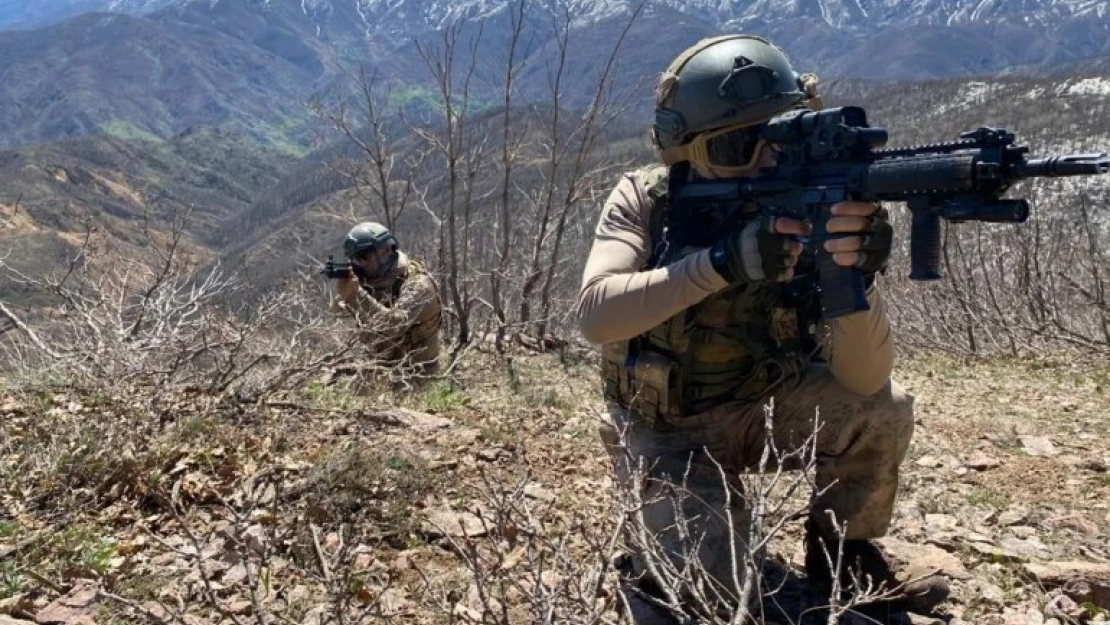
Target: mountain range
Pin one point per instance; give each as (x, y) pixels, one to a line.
(402, 16)
(112, 107)
(164, 66)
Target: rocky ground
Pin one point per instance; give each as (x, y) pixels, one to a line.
(486, 499)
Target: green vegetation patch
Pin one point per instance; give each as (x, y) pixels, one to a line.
(280, 136)
(359, 480)
(445, 396)
(127, 130)
(405, 97)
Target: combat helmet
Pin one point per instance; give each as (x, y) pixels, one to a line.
(727, 81)
(367, 236)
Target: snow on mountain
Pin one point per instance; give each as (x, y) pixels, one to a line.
(913, 38)
(845, 14)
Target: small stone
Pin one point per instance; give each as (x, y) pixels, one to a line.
(923, 558)
(7, 620)
(996, 553)
(129, 547)
(394, 602)
(76, 603)
(1063, 606)
(1028, 548)
(16, 603)
(241, 606)
(1027, 616)
(1038, 446)
(992, 594)
(254, 539)
(920, 619)
(490, 454)
(539, 493)
(941, 522)
(265, 517)
(452, 523)
(1051, 574)
(980, 461)
(363, 561)
(402, 562)
(419, 421)
(234, 575)
(1012, 516)
(929, 462)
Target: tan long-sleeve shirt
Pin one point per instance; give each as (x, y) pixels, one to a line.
(619, 301)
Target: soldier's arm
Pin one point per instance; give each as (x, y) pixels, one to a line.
(617, 300)
(362, 306)
(393, 322)
(861, 349)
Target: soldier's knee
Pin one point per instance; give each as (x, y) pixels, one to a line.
(893, 410)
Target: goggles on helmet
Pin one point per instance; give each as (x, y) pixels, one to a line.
(730, 151)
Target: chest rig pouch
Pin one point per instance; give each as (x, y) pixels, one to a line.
(738, 344)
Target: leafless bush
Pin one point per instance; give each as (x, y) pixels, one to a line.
(529, 562)
(499, 204)
(1012, 289)
(119, 318)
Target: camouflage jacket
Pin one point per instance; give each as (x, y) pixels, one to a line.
(399, 316)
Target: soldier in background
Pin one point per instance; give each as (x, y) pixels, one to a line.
(697, 336)
(394, 301)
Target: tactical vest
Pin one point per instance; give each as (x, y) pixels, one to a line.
(736, 345)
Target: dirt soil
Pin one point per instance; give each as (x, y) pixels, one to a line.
(486, 499)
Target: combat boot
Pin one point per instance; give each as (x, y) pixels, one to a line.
(864, 558)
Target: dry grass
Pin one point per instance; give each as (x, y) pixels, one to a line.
(324, 506)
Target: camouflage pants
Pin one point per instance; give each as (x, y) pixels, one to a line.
(859, 445)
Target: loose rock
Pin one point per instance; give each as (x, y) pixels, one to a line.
(77, 603)
(920, 559)
(1038, 446)
(980, 461)
(453, 523)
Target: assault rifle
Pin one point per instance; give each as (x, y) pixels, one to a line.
(337, 271)
(831, 155)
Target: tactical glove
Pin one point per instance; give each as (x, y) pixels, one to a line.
(874, 250)
(755, 253)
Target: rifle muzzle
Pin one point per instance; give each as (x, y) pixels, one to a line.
(1067, 165)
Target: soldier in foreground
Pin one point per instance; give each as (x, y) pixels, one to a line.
(393, 300)
(696, 339)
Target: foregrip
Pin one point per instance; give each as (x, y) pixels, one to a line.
(843, 289)
(924, 243)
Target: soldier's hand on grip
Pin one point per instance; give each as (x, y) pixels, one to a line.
(766, 249)
(348, 286)
(864, 236)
